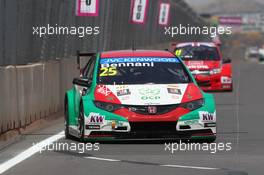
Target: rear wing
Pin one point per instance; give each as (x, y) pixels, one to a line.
(83, 54)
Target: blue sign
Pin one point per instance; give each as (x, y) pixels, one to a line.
(139, 59)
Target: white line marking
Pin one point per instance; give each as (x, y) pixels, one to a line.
(29, 152)
(192, 167)
(174, 166)
(98, 158)
(237, 111)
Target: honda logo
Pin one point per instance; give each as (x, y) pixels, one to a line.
(152, 109)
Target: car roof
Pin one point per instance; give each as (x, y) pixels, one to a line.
(209, 44)
(136, 53)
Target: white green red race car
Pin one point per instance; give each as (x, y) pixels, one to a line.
(138, 94)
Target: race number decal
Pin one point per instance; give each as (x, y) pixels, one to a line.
(87, 7)
(108, 71)
(164, 13)
(139, 11)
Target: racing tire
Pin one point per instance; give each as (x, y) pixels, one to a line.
(66, 115)
(81, 122)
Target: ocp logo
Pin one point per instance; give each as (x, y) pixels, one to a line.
(150, 97)
(149, 92)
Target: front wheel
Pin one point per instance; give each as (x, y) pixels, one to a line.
(81, 122)
(66, 115)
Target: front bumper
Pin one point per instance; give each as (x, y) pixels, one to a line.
(214, 82)
(184, 128)
(103, 125)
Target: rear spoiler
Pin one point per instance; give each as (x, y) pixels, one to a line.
(83, 54)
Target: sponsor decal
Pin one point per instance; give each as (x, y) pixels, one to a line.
(95, 118)
(226, 80)
(197, 72)
(87, 7)
(149, 93)
(150, 97)
(226, 86)
(178, 52)
(137, 64)
(198, 67)
(138, 59)
(206, 116)
(190, 122)
(173, 90)
(107, 71)
(102, 89)
(93, 127)
(123, 92)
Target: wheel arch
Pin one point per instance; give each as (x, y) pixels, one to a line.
(69, 99)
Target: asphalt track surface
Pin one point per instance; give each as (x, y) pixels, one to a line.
(239, 120)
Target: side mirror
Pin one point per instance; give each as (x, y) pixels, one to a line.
(227, 60)
(82, 82)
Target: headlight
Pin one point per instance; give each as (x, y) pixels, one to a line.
(215, 71)
(193, 104)
(107, 106)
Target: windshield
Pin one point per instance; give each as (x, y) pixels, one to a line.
(142, 70)
(197, 53)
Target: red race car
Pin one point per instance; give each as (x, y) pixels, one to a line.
(204, 59)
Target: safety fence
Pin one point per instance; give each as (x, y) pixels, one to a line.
(19, 44)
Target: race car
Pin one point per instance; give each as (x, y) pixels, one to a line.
(137, 94)
(205, 62)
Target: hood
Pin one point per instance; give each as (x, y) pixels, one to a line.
(202, 64)
(150, 94)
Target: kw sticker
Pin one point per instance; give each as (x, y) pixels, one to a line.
(206, 116)
(95, 118)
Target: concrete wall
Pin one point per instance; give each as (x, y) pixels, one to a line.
(32, 92)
